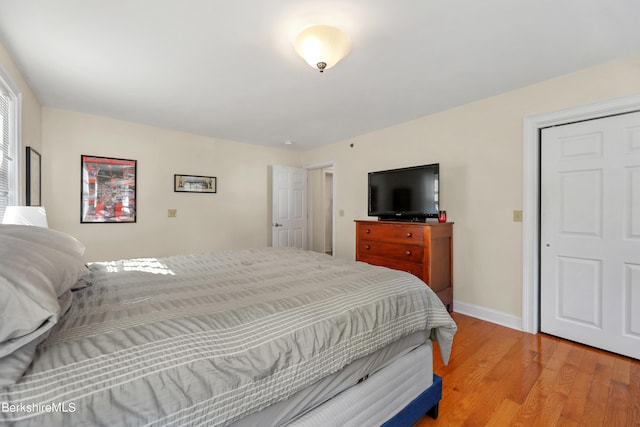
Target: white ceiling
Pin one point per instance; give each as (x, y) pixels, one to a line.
(228, 68)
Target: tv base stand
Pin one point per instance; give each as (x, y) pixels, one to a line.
(406, 219)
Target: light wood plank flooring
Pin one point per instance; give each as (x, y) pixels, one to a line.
(502, 377)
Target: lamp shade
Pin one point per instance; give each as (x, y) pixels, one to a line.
(25, 215)
(322, 46)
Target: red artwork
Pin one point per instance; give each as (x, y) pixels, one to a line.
(108, 190)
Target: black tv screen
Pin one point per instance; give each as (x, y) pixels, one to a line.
(409, 194)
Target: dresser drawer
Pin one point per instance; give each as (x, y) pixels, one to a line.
(408, 234)
(409, 267)
(423, 249)
(391, 250)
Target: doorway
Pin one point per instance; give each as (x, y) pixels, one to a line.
(321, 188)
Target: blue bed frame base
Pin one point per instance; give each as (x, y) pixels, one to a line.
(425, 403)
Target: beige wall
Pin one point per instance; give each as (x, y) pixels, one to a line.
(479, 148)
(236, 217)
(31, 126)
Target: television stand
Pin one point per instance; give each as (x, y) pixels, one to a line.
(421, 248)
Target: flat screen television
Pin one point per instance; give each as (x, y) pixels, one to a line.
(407, 194)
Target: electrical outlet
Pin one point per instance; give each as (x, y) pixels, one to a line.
(517, 216)
(172, 213)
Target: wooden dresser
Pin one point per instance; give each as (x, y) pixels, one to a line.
(423, 249)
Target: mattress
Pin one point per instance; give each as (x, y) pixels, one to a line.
(316, 394)
(207, 339)
(378, 398)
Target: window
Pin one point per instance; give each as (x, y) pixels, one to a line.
(9, 143)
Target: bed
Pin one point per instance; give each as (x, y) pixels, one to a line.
(256, 337)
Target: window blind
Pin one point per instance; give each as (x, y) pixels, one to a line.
(5, 158)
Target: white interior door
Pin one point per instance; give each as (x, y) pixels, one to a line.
(289, 218)
(590, 233)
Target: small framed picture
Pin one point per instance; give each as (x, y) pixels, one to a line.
(194, 184)
(108, 190)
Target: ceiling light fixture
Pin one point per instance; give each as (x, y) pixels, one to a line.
(322, 46)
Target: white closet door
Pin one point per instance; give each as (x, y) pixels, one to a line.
(590, 233)
(289, 226)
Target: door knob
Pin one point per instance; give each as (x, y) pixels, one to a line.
(277, 225)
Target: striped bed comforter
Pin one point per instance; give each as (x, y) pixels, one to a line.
(206, 339)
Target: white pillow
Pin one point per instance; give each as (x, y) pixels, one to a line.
(25, 311)
(24, 263)
(16, 354)
(32, 278)
(45, 236)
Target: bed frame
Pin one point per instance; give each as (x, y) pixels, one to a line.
(426, 403)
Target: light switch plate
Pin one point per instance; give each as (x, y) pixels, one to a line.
(517, 216)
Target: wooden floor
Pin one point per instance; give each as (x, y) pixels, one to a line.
(502, 377)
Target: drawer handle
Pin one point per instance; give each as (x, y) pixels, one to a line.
(408, 253)
(367, 231)
(409, 234)
(367, 247)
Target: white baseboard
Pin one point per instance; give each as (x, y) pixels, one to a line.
(488, 314)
